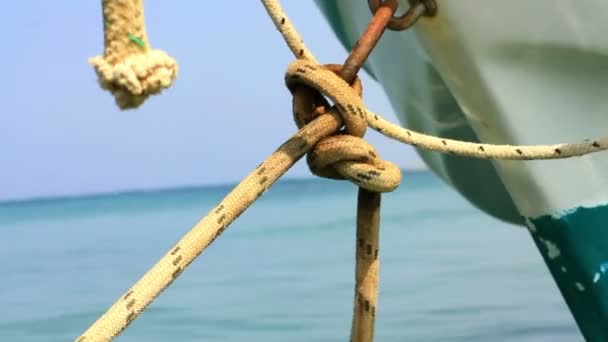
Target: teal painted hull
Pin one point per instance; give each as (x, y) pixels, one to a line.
(575, 249)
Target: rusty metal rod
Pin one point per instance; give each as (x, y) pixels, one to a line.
(368, 40)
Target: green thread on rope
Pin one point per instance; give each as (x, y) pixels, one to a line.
(137, 40)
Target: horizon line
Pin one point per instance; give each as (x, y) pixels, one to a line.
(135, 191)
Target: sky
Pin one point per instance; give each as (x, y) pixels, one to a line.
(61, 135)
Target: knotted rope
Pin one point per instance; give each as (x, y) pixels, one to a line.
(129, 68)
(336, 154)
(346, 155)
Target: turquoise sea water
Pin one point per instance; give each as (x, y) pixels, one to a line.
(282, 272)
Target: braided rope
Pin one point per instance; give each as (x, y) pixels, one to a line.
(342, 156)
(193, 243)
(367, 267)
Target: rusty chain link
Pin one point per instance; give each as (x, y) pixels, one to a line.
(418, 9)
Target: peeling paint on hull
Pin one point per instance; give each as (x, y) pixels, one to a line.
(581, 236)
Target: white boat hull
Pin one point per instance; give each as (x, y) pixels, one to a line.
(512, 72)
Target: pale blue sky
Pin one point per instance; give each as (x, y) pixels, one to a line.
(60, 134)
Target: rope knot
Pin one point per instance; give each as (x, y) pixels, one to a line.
(129, 68)
(344, 155)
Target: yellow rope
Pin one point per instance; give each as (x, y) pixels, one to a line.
(289, 32)
(170, 266)
(367, 267)
(379, 176)
(343, 156)
(348, 156)
(129, 68)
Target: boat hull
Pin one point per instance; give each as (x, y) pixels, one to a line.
(512, 72)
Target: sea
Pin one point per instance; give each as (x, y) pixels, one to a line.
(284, 271)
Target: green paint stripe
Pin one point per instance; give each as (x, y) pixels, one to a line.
(137, 40)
